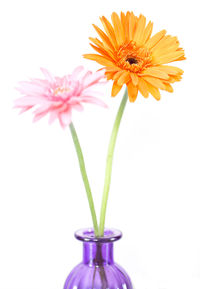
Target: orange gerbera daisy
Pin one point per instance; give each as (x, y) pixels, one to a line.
(131, 56)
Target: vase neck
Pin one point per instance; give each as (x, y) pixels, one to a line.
(97, 253)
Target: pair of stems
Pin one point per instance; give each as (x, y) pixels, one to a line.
(99, 231)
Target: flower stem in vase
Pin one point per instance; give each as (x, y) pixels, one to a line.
(84, 176)
(109, 161)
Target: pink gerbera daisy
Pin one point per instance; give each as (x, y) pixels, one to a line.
(58, 96)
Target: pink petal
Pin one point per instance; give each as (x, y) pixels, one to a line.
(43, 108)
(52, 116)
(41, 112)
(76, 72)
(24, 109)
(91, 91)
(87, 74)
(40, 82)
(74, 100)
(78, 107)
(47, 74)
(39, 116)
(94, 78)
(27, 87)
(65, 118)
(94, 100)
(30, 101)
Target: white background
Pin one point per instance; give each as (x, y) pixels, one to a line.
(154, 197)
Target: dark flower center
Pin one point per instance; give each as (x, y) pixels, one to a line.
(132, 60)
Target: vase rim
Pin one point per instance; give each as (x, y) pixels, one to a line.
(87, 235)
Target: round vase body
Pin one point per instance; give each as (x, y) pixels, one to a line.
(98, 269)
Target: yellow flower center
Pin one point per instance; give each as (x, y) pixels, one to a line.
(61, 90)
(133, 58)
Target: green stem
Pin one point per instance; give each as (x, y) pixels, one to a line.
(109, 161)
(84, 176)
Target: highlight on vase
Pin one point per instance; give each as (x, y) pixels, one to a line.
(59, 96)
(132, 56)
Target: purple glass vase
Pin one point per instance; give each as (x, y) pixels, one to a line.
(98, 269)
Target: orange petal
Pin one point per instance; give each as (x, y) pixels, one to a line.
(168, 87)
(147, 32)
(132, 91)
(126, 30)
(156, 72)
(124, 78)
(123, 22)
(181, 58)
(118, 74)
(109, 75)
(139, 31)
(132, 25)
(115, 89)
(167, 43)
(103, 52)
(154, 91)
(172, 70)
(154, 81)
(100, 45)
(153, 40)
(106, 41)
(113, 69)
(134, 78)
(100, 59)
(174, 78)
(118, 28)
(143, 88)
(168, 58)
(109, 30)
(96, 41)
